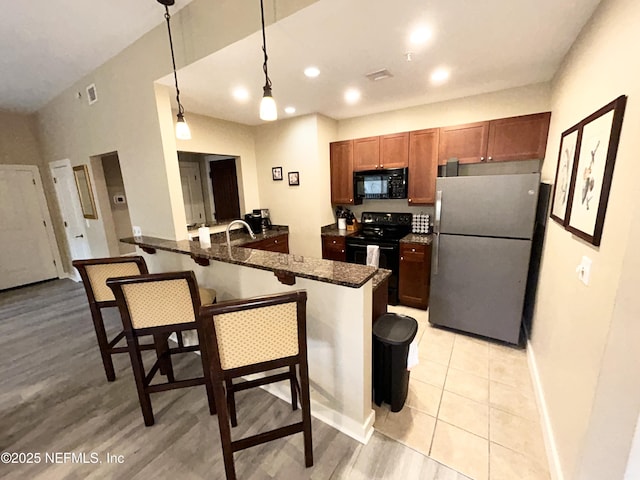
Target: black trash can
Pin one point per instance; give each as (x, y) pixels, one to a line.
(392, 335)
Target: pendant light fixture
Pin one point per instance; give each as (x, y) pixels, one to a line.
(182, 129)
(268, 109)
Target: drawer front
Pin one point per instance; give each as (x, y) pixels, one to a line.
(413, 252)
(334, 243)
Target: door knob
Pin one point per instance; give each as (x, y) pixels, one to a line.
(80, 236)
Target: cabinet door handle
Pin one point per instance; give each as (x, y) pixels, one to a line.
(409, 200)
(342, 251)
(401, 258)
(333, 242)
(381, 166)
(413, 249)
(490, 158)
(351, 199)
(482, 159)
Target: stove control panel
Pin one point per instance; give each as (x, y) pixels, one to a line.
(392, 219)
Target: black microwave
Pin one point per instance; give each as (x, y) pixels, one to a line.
(380, 184)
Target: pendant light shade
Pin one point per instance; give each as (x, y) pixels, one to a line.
(182, 129)
(268, 108)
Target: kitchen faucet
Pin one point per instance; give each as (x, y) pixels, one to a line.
(253, 237)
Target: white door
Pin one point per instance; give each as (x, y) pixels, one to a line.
(192, 192)
(26, 254)
(70, 209)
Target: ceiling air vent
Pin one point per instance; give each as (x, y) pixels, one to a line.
(379, 75)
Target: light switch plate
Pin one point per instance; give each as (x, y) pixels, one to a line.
(584, 270)
(137, 231)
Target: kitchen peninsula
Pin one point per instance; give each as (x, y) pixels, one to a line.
(339, 312)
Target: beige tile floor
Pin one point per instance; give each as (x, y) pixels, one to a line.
(470, 406)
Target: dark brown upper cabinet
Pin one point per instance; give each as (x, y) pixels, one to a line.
(518, 138)
(366, 153)
(423, 166)
(467, 143)
(341, 165)
(394, 150)
(514, 138)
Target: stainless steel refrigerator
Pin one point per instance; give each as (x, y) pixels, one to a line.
(483, 227)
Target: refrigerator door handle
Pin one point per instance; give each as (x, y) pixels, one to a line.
(436, 221)
(436, 253)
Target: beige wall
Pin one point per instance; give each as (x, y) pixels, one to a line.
(585, 338)
(133, 116)
(505, 103)
(215, 136)
(294, 145)
(18, 139)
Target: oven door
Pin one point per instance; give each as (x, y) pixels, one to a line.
(389, 259)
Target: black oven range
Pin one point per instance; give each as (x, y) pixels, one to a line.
(384, 230)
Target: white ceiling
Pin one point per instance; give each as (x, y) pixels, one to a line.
(488, 45)
(47, 45)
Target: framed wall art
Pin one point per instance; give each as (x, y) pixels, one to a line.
(294, 178)
(276, 173)
(596, 150)
(83, 184)
(566, 158)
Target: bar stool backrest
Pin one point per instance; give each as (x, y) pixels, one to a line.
(257, 335)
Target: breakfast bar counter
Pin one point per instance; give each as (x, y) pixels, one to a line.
(342, 299)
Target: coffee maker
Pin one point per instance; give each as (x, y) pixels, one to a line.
(258, 220)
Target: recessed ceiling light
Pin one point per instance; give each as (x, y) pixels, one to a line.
(440, 75)
(312, 72)
(241, 94)
(352, 95)
(290, 110)
(421, 35)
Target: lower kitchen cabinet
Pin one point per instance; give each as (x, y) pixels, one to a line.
(279, 244)
(415, 270)
(334, 247)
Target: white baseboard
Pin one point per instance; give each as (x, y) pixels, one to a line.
(555, 470)
(361, 433)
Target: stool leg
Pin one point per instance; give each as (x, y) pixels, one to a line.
(162, 351)
(103, 342)
(225, 431)
(294, 392)
(138, 374)
(231, 402)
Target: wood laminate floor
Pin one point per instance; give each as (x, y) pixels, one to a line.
(54, 398)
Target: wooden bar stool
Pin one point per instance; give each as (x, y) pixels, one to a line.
(94, 273)
(159, 305)
(255, 335)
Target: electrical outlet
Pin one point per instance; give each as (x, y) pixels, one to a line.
(584, 270)
(137, 231)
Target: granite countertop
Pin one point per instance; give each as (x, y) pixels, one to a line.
(380, 276)
(240, 236)
(338, 273)
(422, 238)
(332, 230)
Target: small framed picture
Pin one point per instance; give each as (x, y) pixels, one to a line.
(276, 173)
(92, 94)
(294, 178)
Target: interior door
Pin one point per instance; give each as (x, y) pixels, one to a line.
(71, 212)
(192, 192)
(25, 251)
(224, 182)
